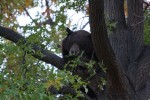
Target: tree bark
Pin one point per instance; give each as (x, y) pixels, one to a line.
(114, 12)
(135, 24)
(116, 87)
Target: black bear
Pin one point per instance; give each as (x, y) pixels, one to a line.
(74, 44)
(77, 42)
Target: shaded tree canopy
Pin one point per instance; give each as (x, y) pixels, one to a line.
(118, 28)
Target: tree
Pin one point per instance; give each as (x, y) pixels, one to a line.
(121, 48)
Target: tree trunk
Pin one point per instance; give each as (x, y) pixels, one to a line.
(126, 58)
(115, 86)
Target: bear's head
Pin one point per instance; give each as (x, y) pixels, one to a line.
(77, 42)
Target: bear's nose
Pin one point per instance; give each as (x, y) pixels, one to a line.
(73, 52)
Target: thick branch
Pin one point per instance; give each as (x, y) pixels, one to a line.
(104, 51)
(114, 13)
(135, 27)
(48, 56)
(143, 73)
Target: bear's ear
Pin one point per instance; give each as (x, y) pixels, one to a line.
(69, 31)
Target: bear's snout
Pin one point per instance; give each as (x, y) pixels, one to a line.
(74, 50)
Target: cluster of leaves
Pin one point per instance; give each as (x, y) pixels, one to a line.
(74, 5)
(87, 68)
(20, 78)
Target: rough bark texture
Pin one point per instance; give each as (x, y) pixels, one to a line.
(114, 12)
(135, 23)
(122, 51)
(116, 86)
(126, 40)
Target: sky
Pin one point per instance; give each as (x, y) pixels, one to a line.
(76, 18)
